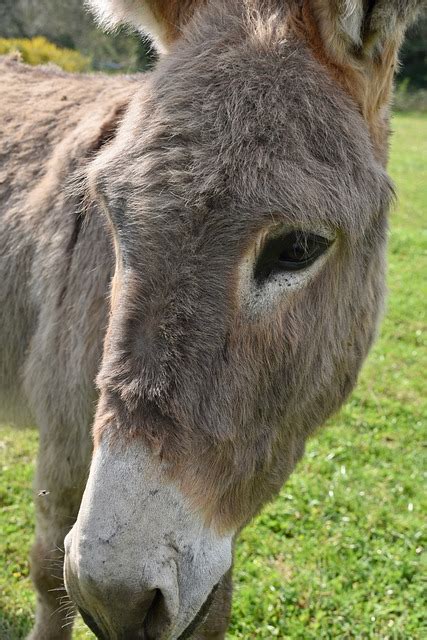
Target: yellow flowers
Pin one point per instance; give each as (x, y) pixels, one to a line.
(39, 50)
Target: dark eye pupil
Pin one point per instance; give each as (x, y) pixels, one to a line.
(293, 251)
(299, 247)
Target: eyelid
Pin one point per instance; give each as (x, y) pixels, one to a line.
(269, 259)
(282, 230)
(310, 229)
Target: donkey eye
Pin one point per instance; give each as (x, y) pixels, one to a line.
(293, 251)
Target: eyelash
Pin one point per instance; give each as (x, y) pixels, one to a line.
(293, 251)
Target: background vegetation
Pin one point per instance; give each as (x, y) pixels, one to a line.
(67, 24)
(39, 50)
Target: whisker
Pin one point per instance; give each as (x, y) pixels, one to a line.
(66, 596)
(70, 614)
(65, 607)
(67, 624)
(52, 575)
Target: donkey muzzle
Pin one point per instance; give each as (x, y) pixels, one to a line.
(139, 561)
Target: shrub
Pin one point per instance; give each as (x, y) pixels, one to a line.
(39, 50)
(407, 99)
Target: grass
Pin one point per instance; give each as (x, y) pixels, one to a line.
(338, 554)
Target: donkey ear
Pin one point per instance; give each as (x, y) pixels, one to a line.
(364, 27)
(359, 41)
(160, 19)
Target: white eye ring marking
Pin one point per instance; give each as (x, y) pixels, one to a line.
(260, 295)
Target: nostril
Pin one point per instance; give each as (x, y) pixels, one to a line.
(158, 617)
(148, 618)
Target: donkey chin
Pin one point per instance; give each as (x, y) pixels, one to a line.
(141, 577)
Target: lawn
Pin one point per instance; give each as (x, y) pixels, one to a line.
(339, 553)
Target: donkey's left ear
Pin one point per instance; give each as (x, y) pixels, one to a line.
(364, 27)
(162, 20)
(359, 41)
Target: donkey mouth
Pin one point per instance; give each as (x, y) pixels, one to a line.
(143, 633)
(90, 622)
(200, 616)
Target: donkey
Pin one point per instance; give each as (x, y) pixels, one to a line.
(208, 242)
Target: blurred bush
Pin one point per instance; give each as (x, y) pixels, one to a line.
(413, 71)
(68, 24)
(406, 99)
(39, 50)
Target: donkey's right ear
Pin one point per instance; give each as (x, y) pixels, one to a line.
(162, 20)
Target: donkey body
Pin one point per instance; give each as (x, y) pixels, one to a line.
(209, 240)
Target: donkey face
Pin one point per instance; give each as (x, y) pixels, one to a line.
(247, 199)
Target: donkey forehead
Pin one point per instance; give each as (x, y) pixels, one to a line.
(249, 136)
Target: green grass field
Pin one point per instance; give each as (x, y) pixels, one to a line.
(338, 554)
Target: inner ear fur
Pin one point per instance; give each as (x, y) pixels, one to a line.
(359, 41)
(162, 20)
(363, 28)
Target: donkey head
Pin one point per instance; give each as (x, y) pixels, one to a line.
(247, 197)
